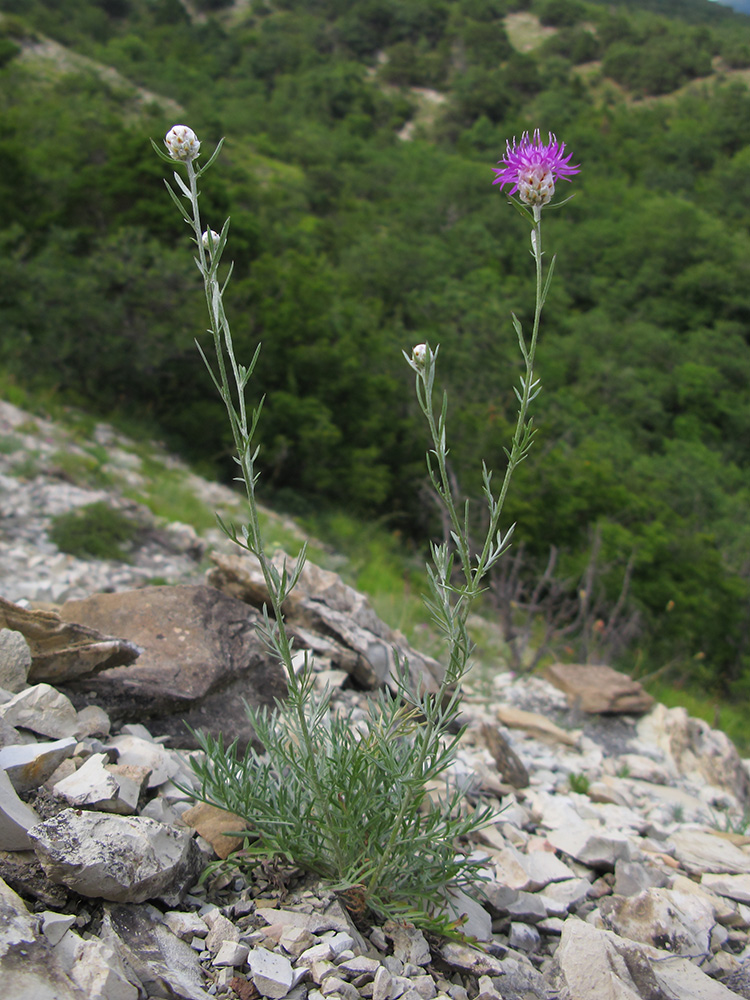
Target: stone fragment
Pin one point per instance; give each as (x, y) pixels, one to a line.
(382, 984)
(560, 897)
(92, 721)
(673, 921)
(16, 818)
(535, 724)
(165, 965)
(28, 970)
(475, 920)
(509, 765)
(524, 938)
(138, 752)
(93, 787)
(295, 940)
(220, 930)
(632, 877)
(43, 710)
(185, 925)
(461, 956)
(231, 953)
(95, 967)
(61, 651)
(272, 974)
(15, 660)
(595, 848)
(213, 824)
(599, 689)
(598, 963)
(333, 985)
(700, 852)
(28, 765)
(732, 886)
(119, 858)
(54, 925)
(409, 943)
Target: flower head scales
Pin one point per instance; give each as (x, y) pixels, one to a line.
(532, 167)
(182, 143)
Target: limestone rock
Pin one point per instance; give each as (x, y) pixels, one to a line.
(697, 751)
(15, 660)
(324, 604)
(16, 818)
(732, 886)
(61, 651)
(120, 858)
(673, 921)
(95, 967)
(272, 974)
(28, 765)
(700, 852)
(43, 710)
(28, 969)
(537, 725)
(165, 965)
(598, 963)
(201, 656)
(596, 848)
(104, 788)
(600, 689)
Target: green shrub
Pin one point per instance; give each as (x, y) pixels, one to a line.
(96, 531)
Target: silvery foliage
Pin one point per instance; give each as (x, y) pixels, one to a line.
(353, 806)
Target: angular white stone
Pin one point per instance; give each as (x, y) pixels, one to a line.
(16, 818)
(43, 710)
(272, 974)
(162, 763)
(231, 953)
(700, 852)
(732, 886)
(95, 967)
(185, 925)
(592, 847)
(90, 787)
(120, 858)
(28, 765)
(54, 925)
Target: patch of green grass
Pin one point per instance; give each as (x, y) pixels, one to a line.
(168, 495)
(81, 468)
(9, 443)
(26, 467)
(579, 784)
(95, 531)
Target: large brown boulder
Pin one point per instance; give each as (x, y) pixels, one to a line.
(595, 688)
(201, 659)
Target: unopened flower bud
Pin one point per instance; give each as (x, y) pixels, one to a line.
(182, 143)
(419, 355)
(211, 240)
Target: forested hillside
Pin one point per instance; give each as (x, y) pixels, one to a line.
(360, 140)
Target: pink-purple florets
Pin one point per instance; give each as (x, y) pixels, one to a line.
(532, 167)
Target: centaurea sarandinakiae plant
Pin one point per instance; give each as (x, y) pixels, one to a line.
(531, 168)
(351, 807)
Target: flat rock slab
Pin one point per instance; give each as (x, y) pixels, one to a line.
(600, 689)
(201, 657)
(62, 650)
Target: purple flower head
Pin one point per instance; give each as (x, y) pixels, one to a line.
(532, 167)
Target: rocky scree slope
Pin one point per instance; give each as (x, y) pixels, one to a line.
(608, 871)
